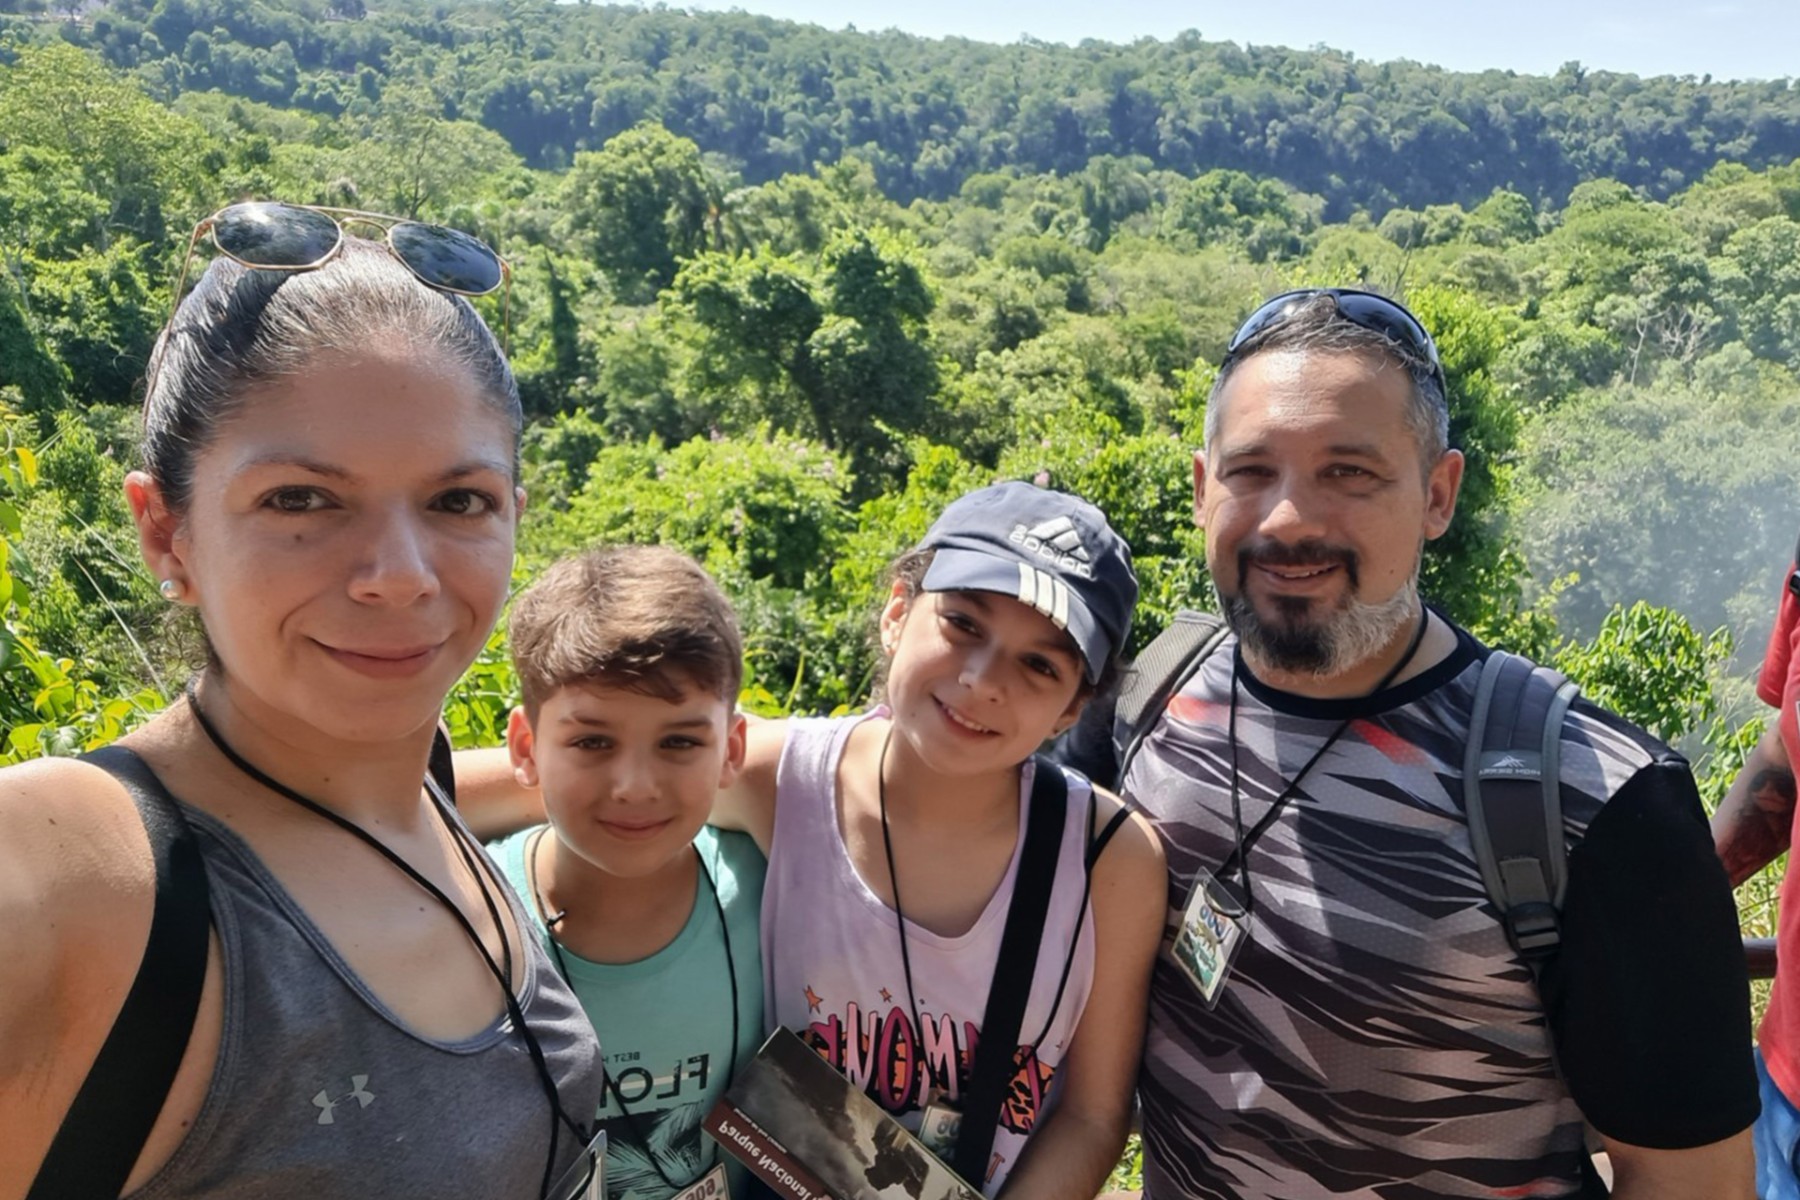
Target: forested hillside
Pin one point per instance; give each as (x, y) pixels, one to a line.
(787, 371)
(773, 98)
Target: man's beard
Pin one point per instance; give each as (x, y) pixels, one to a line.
(1305, 639)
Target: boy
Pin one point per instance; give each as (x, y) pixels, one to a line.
(629, 660)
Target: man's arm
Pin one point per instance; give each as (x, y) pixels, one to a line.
(1648, 998)
(1755, 820)
(1076, 1147)
(1723, 1170)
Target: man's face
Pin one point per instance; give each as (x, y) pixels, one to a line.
(1316, 504)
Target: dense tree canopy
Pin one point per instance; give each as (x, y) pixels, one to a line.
(773, 98)
(761, 310)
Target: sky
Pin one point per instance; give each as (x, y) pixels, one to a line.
(1727, 39)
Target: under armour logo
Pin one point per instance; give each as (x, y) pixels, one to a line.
(358, 1092)
(1058, 542)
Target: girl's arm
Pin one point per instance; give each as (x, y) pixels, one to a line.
(749, 803)
(494, 802)
(1076, 1147)
(490, 797)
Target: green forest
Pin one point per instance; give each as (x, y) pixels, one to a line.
(779, 293)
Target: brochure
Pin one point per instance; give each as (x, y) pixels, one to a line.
(810, 1134)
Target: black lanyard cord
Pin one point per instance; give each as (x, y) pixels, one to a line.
(514, 1011)
(1238, 861)
(887, 844)
(562, 965)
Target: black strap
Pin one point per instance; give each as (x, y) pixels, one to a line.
(1105, 835)
(1167, 663)
(994, 1066)
(105, 1128)
(440, 768)
(1512, 792)
(1794, 572)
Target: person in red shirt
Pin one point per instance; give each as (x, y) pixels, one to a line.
(1754, 825)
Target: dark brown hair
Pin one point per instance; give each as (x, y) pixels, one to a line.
(241, 328)
(645, 618)
(1318, 327)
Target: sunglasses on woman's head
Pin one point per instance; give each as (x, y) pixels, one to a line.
(271, 236)
(1366, 310)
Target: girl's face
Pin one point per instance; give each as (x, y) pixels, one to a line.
(977, 680)
(348, 540)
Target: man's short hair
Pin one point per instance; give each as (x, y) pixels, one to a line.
(1318, 327)
(645, 618)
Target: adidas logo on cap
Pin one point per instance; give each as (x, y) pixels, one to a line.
(1058, 542)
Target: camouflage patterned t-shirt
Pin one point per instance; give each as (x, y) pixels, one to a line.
(1377, 1037)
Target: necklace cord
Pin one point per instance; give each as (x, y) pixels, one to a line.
(887, 844)
(1239, 860)
(515, 1012)
(562, 967)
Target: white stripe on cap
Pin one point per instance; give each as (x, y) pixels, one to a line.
(1046, 593)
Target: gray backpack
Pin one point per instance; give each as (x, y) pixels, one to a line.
(1511, 778)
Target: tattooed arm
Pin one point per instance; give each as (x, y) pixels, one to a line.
(1756, 817)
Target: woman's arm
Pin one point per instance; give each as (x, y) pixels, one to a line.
(76, 891)
(1071, 1154)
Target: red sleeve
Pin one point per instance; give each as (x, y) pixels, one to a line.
(1772, 680)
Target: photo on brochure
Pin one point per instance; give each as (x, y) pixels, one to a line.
(815, 1120)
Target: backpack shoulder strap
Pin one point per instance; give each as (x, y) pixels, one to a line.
(105, 1128)
(1512, 791)
(441, 767)
(1167, 663)
(996, 1052)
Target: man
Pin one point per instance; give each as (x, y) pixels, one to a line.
(1753, 825)
(1372, 1033)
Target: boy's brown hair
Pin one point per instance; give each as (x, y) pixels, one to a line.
(646, 618)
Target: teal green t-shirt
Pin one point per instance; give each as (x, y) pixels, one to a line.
(665, 1021)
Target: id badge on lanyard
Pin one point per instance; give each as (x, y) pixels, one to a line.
(710, 1186)
(939, 1126)
(586, 1177)
(1213, 929)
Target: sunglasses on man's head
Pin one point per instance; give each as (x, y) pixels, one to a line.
(1364, 309)
(271, 236)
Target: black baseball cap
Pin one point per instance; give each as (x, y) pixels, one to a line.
(1044, 548)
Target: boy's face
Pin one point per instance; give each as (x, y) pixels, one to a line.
(628, 779)
(977, 680)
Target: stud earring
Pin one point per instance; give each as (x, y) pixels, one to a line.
(171, 590)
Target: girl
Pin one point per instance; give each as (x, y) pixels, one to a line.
(329, 478)
(894, 837)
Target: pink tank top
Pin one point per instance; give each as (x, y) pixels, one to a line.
(832, 970)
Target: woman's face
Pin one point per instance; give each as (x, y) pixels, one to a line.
(348, 541)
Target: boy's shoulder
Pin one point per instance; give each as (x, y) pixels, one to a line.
(733, 851)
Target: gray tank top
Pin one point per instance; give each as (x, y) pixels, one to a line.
(321, 1091)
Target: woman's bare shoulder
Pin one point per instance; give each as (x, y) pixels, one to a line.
(73, 857)
(77, 886)
(62, 819)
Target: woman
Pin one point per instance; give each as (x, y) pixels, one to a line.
(329, 477)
